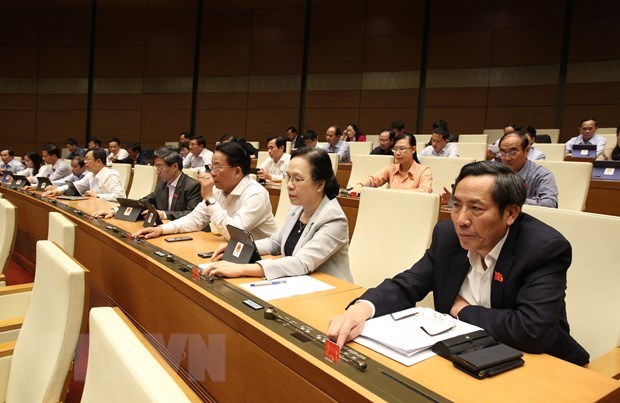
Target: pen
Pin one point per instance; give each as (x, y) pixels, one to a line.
(268, 283)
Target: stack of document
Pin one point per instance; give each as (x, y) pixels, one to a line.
(407, 336)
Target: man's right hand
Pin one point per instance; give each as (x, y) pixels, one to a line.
(103, 214)
(350, 324)
(150, 232)
(50, 191)
(445, 196)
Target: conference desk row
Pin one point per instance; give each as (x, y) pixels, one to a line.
(227, 351)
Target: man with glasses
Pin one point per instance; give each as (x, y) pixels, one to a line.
(199, 155)
(230, 197)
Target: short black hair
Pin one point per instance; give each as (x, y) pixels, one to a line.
(115, 140)
(509, 187)
(10, 151)
(235, 155)
(442, 131)
(440, 123)
(199, 140)
(280, 141)
(310, 135)
(134, 146)
(293, 129)
(527, 130)
(96, 141)
(398, 125)
(51, 149)
(99, 154)
(79, 159)
(321, 167)
(185, 134)
(71, 141)
(586, 119)
(227, 137)
(170, 155)
(37, 161)
(185, 144)
(525, 142)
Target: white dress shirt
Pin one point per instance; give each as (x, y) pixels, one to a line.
(192, 161)
(107, 184)
(276, 169)
(120, 155)
(449, 150)
(599, 141)
(246, 207)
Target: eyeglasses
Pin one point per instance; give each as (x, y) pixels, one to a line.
(511, 154)
(295, 180)
(159, 167)
(217, 169)
(400, 149)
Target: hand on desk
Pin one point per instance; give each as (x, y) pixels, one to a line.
(90, 193)
(104, 214)
(150, 232)
(223, 268)
(218, 253)
(50, 191)
(350, 324)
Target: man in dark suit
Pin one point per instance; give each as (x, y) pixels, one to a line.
(292, 136)
(492, 266)
(176, 194)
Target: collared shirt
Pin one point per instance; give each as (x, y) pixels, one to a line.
(449, 150)
(80, 152)
(599, 141)
(59, 170)
(536, 154)
(380, 151)
(540, 183)
(13, 165)
(341, 148)
(476, 289)
(171, 187)
(192, 161)
(107, 184)
(122, 154)
(71, 178)
(276, 169)
(246, 207)
(418, 177)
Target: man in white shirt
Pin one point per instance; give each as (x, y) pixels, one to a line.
(78, 171)
(57, 168)
(274, 167)
(335, 145)
(440, 145)
(199, 155)
(104, 183)
(116, 152)
(587, 135)
(236, 199)
(9, 163)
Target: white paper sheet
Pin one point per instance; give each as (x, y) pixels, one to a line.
(285, 287)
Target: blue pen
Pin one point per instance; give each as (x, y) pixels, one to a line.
(268, 283)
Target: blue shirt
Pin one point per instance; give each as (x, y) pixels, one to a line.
(536, 154)
(599, 141)
(540, 183)
(341, 148)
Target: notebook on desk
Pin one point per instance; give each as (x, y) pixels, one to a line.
(609, 170)
(583, 151)
(241, 247)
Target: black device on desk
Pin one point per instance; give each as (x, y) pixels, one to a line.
(151, 219)
(241, 247)
(583, 151)
(6, 175)
(43, 183)
(609, 170)
(178, 239)
(19, 181)
(129, 209)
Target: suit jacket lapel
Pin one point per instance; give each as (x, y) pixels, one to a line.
(459, 266)
(504, 264)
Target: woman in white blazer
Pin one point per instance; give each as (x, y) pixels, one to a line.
(315, 235)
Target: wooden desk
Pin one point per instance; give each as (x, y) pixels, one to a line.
(236, 356)
(603, 197)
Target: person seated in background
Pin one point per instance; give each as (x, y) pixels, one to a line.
(237, 199)
(184, 149)
(315, 236)
(443, 124)
(274, 167)
(9, 163)
(336, 145)
(440, 145)
(613, 153)
(78, 171)
(353, 133)
(56, 168)
(104, 183)
(34, 163)
(534, 154)
(405, 173)
(296, 140)
(250, 150)
(184, 137)
(199, 155)
(137, 156)
(117, 154)
(73, 148)
(176, 194)
(492, 266)
(94, 143)
(587, 135)
(311, 139)
(386, 142)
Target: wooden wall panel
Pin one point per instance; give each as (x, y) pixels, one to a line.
(18, 61)
(525, 95)
(333, 99)
(389, 98)
(374, 119)
(213, 124)
(117, 101)
(276, 58)
(461, 119)
(268, 122)
(117, 123)
(274, 100)
(159, 126)
(223, 100)
(18, 102)
(454, 97)
(55, 126)
(537, 116)
(225, 59)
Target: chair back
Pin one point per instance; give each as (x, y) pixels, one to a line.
(335, 159)
(385, 245)
(144, 181)
(174, 144)
(606, 130)
(573, 181)
(356, 148)
(7, 233)
(374, 139)
(289, 147)
(552, 151)
(255, 144)
(284, 204)
(262, 157)
(554, 134)
(477, 151)
(64, 152)
(124, 367)
(611, 138)
(125, 171)
(192, 173)
(444, 170)
(592, 295)
(52, 325)
(474, 138)
(61, 230)
(365, 165)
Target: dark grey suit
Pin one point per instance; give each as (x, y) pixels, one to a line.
(186, 197)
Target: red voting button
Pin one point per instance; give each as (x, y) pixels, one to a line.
(332, 351)
(196, 274)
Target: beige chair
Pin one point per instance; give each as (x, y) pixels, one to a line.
(494, 134)
(554, 134)
(335, 161)
(374, 139)
(355, 148)
(18, 158)
(422, 140)
(174, 144)
(606, 130)
(7, 235)
(284, 203)
(573, 180)
(474, 138)
(255, 144)
(262, 157)
(124, 367)
(144, 181)
(192, 173)
(477, 151)
(592, 296)
(61, 230)
(64, 152)
(444, 170)
(289, 147)
(36, 369)
(611, 139)
(367, 165)
(385, 245)
(552, 151)
(125, 171)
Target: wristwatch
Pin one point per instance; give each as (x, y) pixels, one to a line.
(210, 201)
